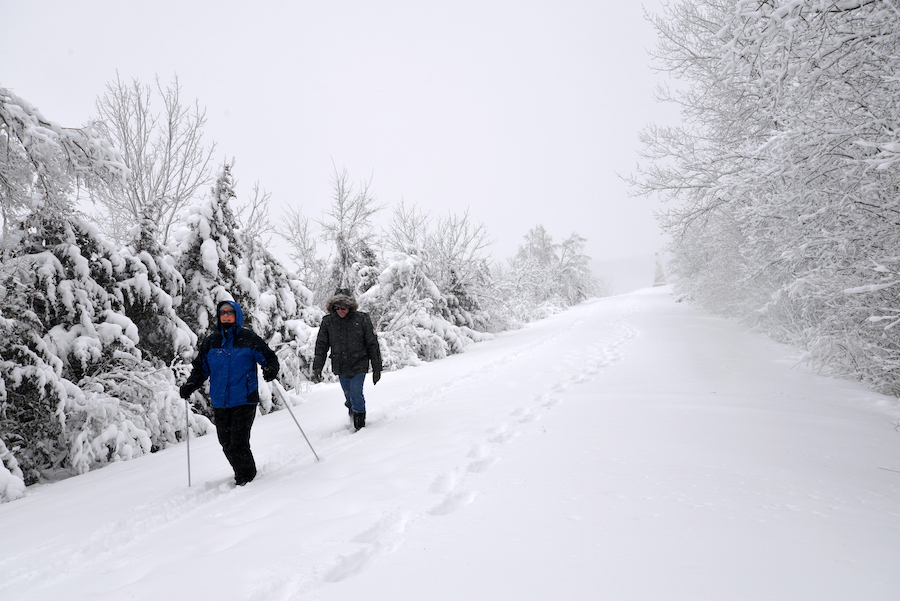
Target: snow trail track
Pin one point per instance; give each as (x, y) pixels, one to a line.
(627, 432)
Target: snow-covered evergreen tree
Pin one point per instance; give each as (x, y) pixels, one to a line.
(451, 253)
(149, 297)
(409, 312)
(284, 316)
(12, 480)
(218, 263)
(78, 390)
(83, 392)
(212, 259)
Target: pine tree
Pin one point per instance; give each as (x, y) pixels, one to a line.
(212, 259)
(63, 338)
(410, 314)
(148, 297)
(83, 393)
(218, 263)
(284, 316)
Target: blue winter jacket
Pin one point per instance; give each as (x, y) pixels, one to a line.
(228, 358)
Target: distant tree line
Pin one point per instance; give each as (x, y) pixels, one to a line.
(783, 179)
(100, 314)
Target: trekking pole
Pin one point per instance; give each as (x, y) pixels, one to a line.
(187, 436)
(278, 389)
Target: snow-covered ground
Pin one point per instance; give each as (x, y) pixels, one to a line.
(631, 448)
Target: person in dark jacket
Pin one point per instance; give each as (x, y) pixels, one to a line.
(350, 335)
(228, 357)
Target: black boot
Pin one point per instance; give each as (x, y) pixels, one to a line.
(359, 420)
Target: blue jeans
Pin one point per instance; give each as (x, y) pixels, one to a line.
(353, 392)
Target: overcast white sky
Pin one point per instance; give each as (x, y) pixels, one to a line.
(521, 111)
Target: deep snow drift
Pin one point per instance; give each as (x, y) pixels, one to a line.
(630, 448)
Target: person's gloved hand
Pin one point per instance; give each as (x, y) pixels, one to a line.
(376, 375)
(270, 372)
(186, 390)
(317, 375)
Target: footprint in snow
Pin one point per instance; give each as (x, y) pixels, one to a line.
(380, 540)
(453, 502)
(482, 465)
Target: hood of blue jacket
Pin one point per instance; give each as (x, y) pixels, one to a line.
(238, 321)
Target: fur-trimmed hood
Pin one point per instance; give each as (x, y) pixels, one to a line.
(344, 297)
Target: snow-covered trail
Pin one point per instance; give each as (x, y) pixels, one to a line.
(630, 448)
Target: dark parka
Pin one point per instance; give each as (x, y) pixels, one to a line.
(228, 358)
(352, 340)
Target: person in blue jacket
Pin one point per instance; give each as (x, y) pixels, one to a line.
(228, 357)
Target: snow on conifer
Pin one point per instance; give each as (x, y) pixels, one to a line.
(210, 255)
(12, 481)
(82, 386)
(284, 316)
(95, 339)
(150, 297)
(80, 391)
(408, 310)
(218, 263)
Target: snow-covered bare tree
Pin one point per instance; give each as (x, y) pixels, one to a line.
(573, 274)
(41, 162)
(784, 177)
(460, 263)
(453, 254)
(348, 226)
(408, 231)
(253, 215)
(545, 277)
(165, 152)
(296, 230)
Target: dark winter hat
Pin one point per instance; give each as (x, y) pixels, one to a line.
(343, 292)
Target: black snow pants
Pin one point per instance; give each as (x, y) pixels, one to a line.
(233, 428)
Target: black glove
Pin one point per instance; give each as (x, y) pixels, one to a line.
(270, 372)
(186, 390)
(317, 376)
(376, 375)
